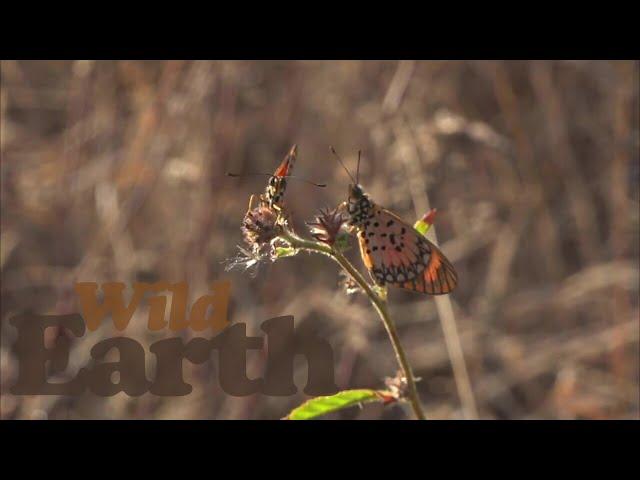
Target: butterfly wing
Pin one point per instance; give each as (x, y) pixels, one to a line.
(285, 167)
(396, 254)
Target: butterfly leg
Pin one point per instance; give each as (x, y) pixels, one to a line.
(251, 199)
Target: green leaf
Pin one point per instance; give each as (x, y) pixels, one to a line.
(282, 252)
(423, 225)
(347, 398)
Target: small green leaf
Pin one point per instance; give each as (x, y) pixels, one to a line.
(423, 225)
(285, 252)
(347, 398)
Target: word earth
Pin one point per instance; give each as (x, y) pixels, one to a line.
(232, 344)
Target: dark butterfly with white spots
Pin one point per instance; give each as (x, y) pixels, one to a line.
(277, 185)
(278, 182)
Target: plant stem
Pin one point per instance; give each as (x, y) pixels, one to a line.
(378, 303)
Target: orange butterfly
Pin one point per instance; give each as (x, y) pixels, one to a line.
(393, 251)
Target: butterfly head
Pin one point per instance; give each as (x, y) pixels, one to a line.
(359, 206)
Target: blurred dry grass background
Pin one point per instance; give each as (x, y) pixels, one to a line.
(114, 171)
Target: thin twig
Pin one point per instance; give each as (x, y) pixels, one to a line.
(391, 105)
(447, 318)
(378, 303)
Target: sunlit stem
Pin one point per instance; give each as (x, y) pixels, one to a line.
(379, 303)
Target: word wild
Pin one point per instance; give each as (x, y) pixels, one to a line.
(113, 304)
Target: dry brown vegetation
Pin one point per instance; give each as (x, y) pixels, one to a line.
(115, 171)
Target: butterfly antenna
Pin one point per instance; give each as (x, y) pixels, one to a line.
(358, 169)
(306, 181)
(342, 163)
(237, 175)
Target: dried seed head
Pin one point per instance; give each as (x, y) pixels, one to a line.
(260, 226)
(327, 225)
(249, 260)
